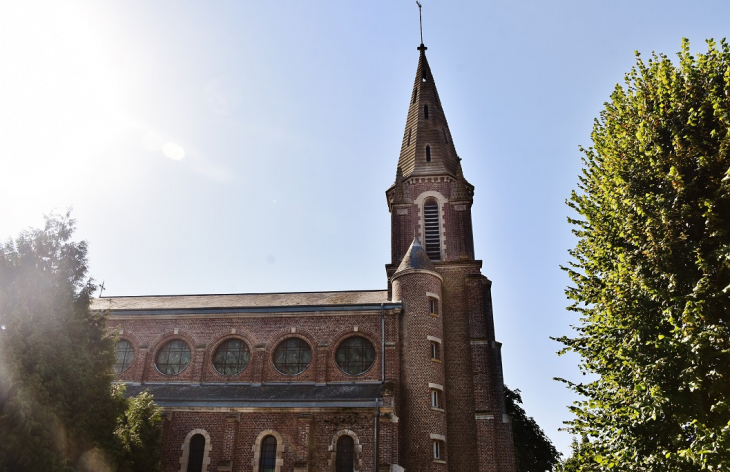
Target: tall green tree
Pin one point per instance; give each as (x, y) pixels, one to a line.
(651, 270)
(534, 452)
(58, 411)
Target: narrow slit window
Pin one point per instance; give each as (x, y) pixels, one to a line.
(433, 306)
(428, 153)
(425, 111)
(431, 227)
(438, 447)
(435, 351)
(415, 94)
(410, 131)
(436, 399)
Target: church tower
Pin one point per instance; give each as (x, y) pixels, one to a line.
(452, 393)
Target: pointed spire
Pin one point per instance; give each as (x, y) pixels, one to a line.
(416, 258)
(427, 146)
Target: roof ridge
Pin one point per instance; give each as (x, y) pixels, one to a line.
(234, 294)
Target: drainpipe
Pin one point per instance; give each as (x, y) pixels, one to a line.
(376, 413)
(382, 340)
(376, 416)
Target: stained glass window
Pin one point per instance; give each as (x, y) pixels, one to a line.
(355, 355)
(173, 357)
(231, 357)
(292, 356)
(125, 356)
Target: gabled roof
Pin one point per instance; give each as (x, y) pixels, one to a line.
(241, 300)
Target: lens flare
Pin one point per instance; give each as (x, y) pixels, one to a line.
(173, 151)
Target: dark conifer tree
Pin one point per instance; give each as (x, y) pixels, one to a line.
(57, 410)
(534, 452)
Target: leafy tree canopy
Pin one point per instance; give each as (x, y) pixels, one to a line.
(651, 270)
(534, 452)
(57, 408)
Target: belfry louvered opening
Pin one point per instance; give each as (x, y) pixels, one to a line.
(432, 234)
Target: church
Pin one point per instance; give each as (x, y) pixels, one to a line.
(404, 378)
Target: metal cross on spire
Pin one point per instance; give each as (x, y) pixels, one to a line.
(420, 20)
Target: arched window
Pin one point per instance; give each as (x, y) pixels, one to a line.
(425, 111)
(428, 153)
(345, 461)
(267, 461)
(431, 230)
(197, 451)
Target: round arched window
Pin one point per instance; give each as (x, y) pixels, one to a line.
(125, 356)
(231, 357)
(292, 356)
(173, 357)
(355, 355)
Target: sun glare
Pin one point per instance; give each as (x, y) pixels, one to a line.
(61, 100)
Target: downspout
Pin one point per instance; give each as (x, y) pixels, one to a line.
(376, 413)
(376, 417)
(382, 340)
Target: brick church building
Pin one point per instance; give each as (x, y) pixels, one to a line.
(405, 378)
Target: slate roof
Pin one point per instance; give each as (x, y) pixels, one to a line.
(416, 258)
(261, 396)
(242, 300)
(432, 130)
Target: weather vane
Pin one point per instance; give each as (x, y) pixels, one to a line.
(420, 19)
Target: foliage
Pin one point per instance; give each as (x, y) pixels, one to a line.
(534, 452)
(57, 408)
(571, 464)
(651, 271)
(138, 435)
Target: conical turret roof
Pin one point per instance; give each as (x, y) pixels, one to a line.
(427, 145)
(416, 258)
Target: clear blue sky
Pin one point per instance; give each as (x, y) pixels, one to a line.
(245, 146)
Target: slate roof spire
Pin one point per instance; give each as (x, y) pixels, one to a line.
(415, 259)
(427, 147)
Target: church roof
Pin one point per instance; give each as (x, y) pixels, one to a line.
(426, 125)
(416, 258)
(242, 300)
(289, 395)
